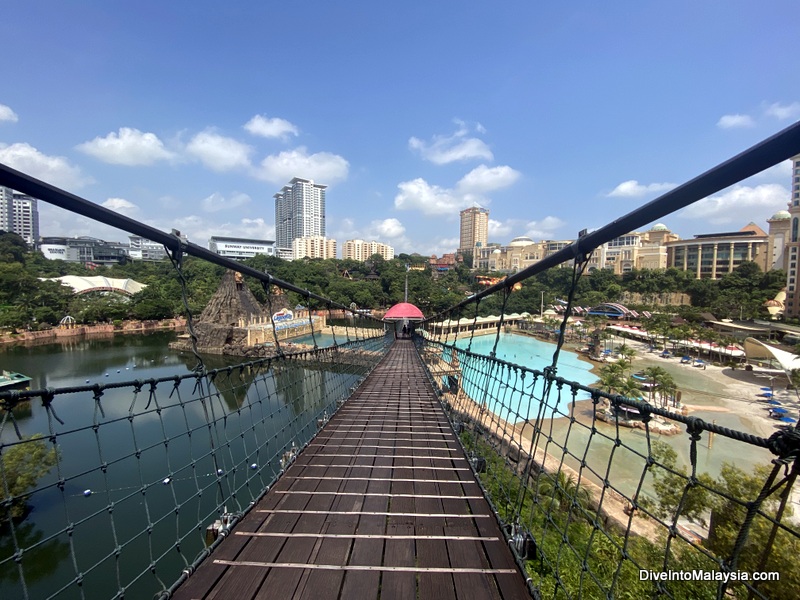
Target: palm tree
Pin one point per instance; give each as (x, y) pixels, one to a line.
(662, 381)
(563, 489)
(612, 377)
(627, 353)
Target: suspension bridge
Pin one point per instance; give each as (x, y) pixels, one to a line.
(425, 470)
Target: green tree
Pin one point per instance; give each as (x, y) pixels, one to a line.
(671, 485)
(22, 466)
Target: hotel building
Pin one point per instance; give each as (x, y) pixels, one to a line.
(474, 229)
(712, 255)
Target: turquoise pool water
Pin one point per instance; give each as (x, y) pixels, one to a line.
(510, 396)
(323, 340)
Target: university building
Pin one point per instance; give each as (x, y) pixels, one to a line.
(240, 248)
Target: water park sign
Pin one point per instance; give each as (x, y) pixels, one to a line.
(283, 315)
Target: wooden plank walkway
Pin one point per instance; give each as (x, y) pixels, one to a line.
(382, 504)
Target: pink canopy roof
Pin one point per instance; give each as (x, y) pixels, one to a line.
(402, 311)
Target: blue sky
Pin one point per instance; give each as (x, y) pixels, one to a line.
(554, 116)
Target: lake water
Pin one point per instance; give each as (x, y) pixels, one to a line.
(142, 439)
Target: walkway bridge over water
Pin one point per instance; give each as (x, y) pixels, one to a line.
(420, 470)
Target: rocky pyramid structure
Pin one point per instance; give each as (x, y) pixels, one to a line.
(218, 327)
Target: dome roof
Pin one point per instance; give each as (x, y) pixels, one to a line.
(781, 215)
(659, 227)
(522, 240)
(402, 311)
(497, 251)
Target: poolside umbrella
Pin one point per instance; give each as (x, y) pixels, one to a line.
(779, 411)
(766, 389)
(767, 394)
(788, 420)
(775, 402)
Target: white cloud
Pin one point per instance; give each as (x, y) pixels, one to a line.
(734, 204)
(418, 194)
(544, 229)
(444, 149)
(735, 121)
(216, 202)
(275, 127)
(55, 170)
(121, 206)
(471, 189)
(486, 179)
(634, 189)
(323, 167)
(6, 114)
(219, 153)
(783, 112)
(387, 228)
(129, 147)
(499, 230)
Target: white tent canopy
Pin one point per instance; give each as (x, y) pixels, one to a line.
(758, 350)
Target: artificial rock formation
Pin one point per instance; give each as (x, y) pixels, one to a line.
(218, 328)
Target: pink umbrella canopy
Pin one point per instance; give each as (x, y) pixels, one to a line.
(403, 311)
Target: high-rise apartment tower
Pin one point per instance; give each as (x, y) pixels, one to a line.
(19, 213)
(299, 212)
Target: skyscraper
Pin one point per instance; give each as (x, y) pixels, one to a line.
(19, 213)
(474, 229)
(793, 246)
(299, 211)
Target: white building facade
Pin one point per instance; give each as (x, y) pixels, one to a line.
(19, 213)
(144, 249)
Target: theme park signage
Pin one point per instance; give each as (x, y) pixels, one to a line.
(283, 315)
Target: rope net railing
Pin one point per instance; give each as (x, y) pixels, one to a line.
(139, 478)
(605, 496)
(598, 504)
(121, 489)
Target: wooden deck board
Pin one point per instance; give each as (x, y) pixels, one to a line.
(381, 505)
